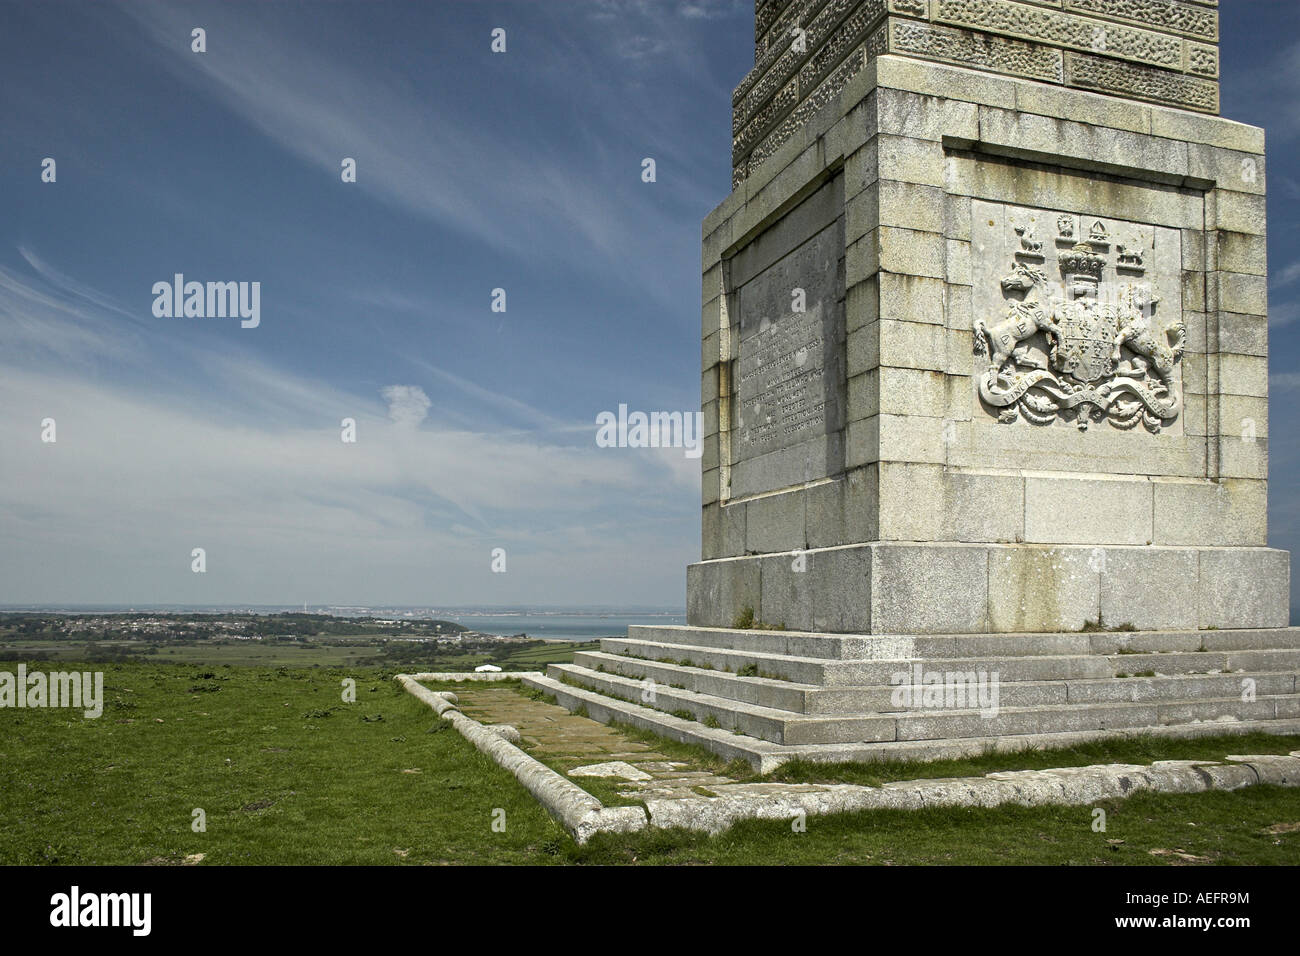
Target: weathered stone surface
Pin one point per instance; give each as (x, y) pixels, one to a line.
(935, 503)
(927, 590)
(716, 591)
(612, 768)
(788, 401)
(1072, 510)
(1245, 587)
(1042, 589)
(1148, 588)
(1231, 512)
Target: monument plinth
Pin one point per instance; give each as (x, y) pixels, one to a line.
(985, 387)
(985, 345)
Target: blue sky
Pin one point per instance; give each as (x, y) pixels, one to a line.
(476, 171)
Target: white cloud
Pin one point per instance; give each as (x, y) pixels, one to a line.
(1283, 313)
(246, 460)
(407, 405)
(402, 515)
(1286, 275)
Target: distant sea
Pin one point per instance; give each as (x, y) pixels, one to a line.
(549, 623)
(574, 625)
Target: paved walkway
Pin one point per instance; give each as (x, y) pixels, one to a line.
(580, 747)
(677, 793)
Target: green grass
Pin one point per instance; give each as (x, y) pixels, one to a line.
(239, 653)
(331, 789)
(347, 650)
(288, 773)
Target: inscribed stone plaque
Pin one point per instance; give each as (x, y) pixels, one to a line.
(788, 402)
(1078, 319)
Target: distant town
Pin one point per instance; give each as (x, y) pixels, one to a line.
(283, 638)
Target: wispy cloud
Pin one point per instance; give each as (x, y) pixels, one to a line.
(285, 507)
(493, 184)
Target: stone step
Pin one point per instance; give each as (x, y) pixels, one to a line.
(814, 700)
(752, 720)
(802, 670)
(839, 673)
(895, 647)
(1092, 717)
(782, 643)
(766, 756)
(785, 727)
(777, 694)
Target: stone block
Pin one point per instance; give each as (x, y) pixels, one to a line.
(1227, 168)
(1087, 145)
(862, 445)
(1243, 334)
(1242, 252)
(717, 591)
(1244, 587)
(1083, 107)
(862, 504)
(1239, 293)
(911, 298)
(957, 266)
(911, 206)
(1243, 459)
(902, 113)
(907, 391)
(929, 589)
(862, 213)
(1148, 588)
(909, 160)
(913, 438)
(824, 524)
(1243, 417)
(710, 486)
(1231, 512)
(931, 79)
(912, 345)
(928, 502)
(1243, 374)
(825, 590)
(862, 168)
(911, 252)
(863, 355)
(1042, 589)
(1087, 510)
(1240, 212)
(1212, 130)
(862, 303)
(956, 216)
(862, 258)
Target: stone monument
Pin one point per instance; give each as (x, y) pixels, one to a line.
(985, 386)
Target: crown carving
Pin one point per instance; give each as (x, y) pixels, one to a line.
(1082, 262)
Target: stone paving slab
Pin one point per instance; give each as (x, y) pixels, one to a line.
(679, 796)
(576, 745)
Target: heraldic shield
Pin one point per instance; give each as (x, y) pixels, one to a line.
(1085, 348)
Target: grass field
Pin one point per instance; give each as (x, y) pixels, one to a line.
(286, 772)
(334, 651)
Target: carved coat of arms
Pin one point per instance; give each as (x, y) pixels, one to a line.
(1084, 347)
